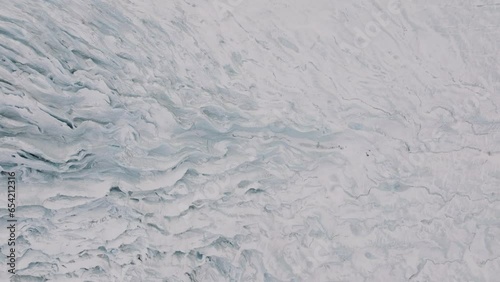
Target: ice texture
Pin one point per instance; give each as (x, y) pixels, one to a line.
(231, 140)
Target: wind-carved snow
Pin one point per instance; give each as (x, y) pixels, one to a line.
(252, 140)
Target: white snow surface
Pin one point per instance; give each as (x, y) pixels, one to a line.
(278, 140)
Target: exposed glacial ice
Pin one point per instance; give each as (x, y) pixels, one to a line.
(252, 140)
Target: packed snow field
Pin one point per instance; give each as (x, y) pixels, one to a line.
(284, 140)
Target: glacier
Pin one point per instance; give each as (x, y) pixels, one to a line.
(231, 140)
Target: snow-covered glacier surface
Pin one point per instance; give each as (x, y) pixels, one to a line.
(284, 140)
